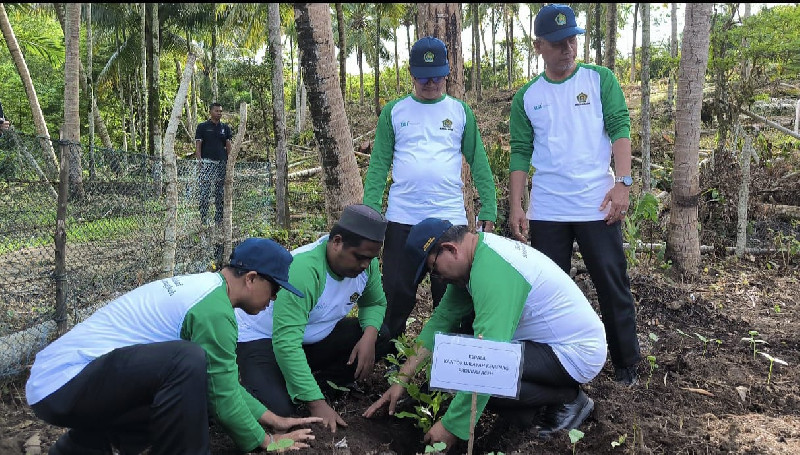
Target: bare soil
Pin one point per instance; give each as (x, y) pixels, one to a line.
(713, 397)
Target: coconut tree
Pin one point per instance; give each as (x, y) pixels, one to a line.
(341, 177)
(683, 240)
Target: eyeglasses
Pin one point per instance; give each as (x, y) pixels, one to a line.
(433, 271)
(424, 80)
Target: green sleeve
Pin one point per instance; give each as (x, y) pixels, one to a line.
(289, 321)
(615, 110)
(497, 312)
(372, 303)
(520, 132)
(475, 154)
(380, 159)
(211, 324)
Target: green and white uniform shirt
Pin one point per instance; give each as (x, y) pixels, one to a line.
(423, 143)
(189, 307)
(518, 293)
(565, 130)
(292, 321)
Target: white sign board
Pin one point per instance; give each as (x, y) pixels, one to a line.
(469, 364)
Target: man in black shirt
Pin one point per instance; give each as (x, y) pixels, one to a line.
(212, 142)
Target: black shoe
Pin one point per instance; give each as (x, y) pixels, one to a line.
(523, 418)
(626, 375)
(566, 416)
(66, 445)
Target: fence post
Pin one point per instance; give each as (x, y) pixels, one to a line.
(61, 236)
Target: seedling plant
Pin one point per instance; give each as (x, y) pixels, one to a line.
(754, 341)
(772, 360)
(705, 342)
(575, 435)
(651, 359)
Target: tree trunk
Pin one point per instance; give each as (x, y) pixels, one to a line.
(443, 20)
(154, 101)
(171, 171)
(341, 178)
(39, 123)
(598, 41)
(645, 114)
(342, 50)
(72, 129)
(90, 92)
(376, 66)
(587, 37)
(633, 48)
(683, 241)
(143, 95)
(611, 36)
(279, 115)
(227, 205)
(476, 23)
(673, 52)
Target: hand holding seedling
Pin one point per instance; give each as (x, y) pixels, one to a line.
(438, 433)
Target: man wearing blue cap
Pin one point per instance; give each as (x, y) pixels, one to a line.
(568, 123)
(299, 340)
(517, 294)
(423, 138)
(147, 368)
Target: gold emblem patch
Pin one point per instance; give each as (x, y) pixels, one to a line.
(428, 57)
(561, 19)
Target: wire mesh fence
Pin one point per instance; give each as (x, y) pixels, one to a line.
(114, 224)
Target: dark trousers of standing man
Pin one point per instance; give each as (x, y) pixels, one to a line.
(398, 281)
(600, 245)
(262, 376)
(133, 397)
(212, 181)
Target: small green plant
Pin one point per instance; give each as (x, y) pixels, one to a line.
(280, 445)
(437, 447)
(428, 404)
(705, 342)
(788, 245)
(772, 360)
(777, 308)
(643, 209)
(338, 387)
(575, 435)
(651, 359)
(620, 440)
(754, 342)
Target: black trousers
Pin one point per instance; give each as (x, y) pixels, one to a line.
(601, 247)
(544, 381)
(140, 395)
(398, 280)
(263, 378)
(212, 181)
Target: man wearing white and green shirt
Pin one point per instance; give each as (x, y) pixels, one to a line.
(517, 294)
(567, 124)
(149, 367)
(296, 338)
(423, 138)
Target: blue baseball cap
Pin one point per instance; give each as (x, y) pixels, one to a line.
(421, 240)
(268, 258)
(429, 58)
(555, 22)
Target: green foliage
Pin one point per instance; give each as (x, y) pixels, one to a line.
(787, 244)
(280, 445)
(645, 208)
(651, 359)
(437, 447)
(575, 435)
(428, 403)
(754, 342)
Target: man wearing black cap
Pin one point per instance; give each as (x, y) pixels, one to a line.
(568, 123)
(280, 349)
(147, 368)
(517, 294)
(423, 137)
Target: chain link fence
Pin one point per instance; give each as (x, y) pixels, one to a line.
(115, 237)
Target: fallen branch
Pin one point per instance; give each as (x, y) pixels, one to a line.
(768, 122)
(305, 173)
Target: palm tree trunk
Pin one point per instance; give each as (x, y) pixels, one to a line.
(341, 177)
(154, 104)
(39, 123)
(611, 36)
(342, 50)
(673, 51)
(645, 115)
(683, 240)
(90, 93)
(279, 115)
(72, 132)
(633, 47)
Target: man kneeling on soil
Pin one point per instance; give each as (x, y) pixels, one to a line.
(518, 294)
(282, 347)
(146, 369)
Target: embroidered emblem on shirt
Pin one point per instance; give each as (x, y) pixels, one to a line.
(354, 298)
(561, 19)
(447, 124)
(428, 57)
(583, 99)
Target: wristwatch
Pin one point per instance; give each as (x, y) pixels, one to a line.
(625, 180)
